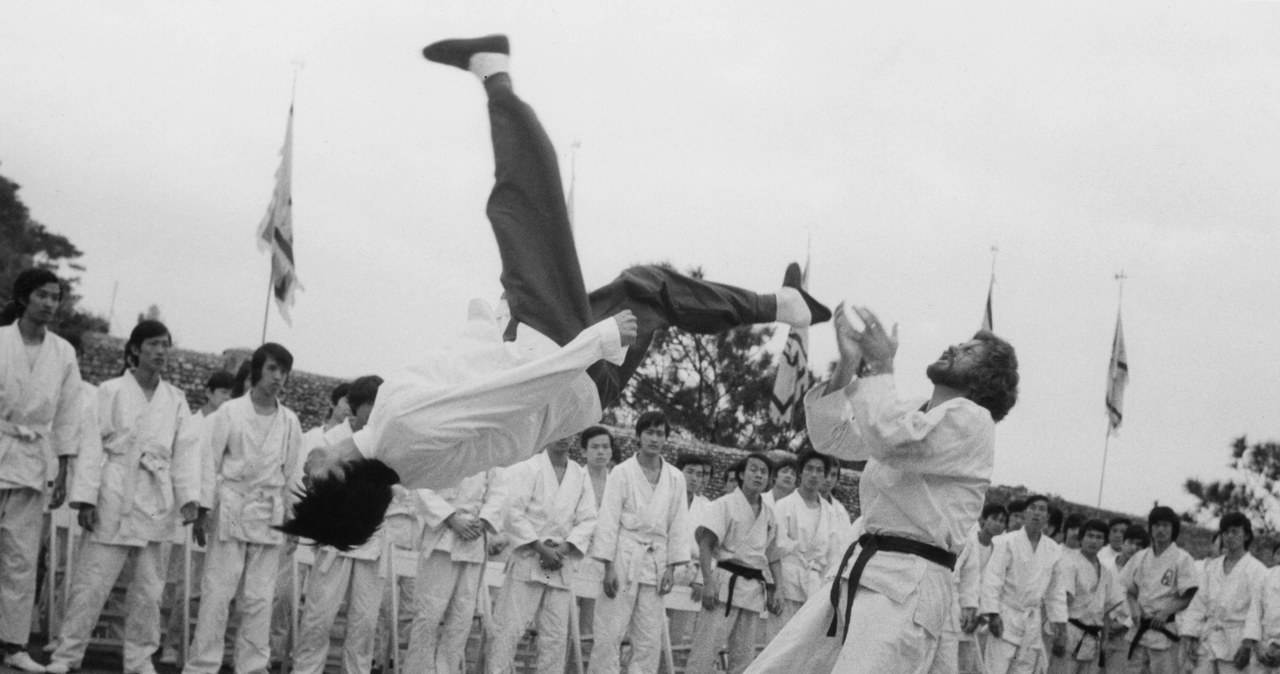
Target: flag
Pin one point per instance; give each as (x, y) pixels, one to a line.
(792, 379)
(276, 231)
(1117, 378)
(988, 323)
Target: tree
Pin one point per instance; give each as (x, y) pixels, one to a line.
(1252, 492)
(715, 387)
(25, 243)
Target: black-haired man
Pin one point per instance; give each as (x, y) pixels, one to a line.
(1161, 581)
(1213, 626)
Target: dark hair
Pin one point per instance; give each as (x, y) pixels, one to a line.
(363, 391)
(1165, 514)
(994, 383)
(220, 379)
(690, 459)
(1016, 506)
(1034, 498)
(1237, 519)
(1055, 519)
(1075, 521)
(1095, 525)
(24, 284)
(1111, 524)
(338, 393)
(144, 330)
(786, 462)
(344, 513)
(242, 380)
(278, 353)
(1138, 534)
(651, 419)
(809, 455)
(592, 432)
(740, 468)
(991, 509)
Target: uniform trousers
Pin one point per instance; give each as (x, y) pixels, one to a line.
(635, 609)
(227, 563)
(357, 581)
(739, 629)
(519, 602)
(444, 592)
(21, 511)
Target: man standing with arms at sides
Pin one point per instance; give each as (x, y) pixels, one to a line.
(1095, 602)
(550, 517)
(1262, 628)
(806, 532)
(784, 481)
(929, 464)
(1214, 622)
(740, 564)
(1161, 581)
(1021, 578)
(600, 454)
(128, 489)
(697, 474)
(254, 450)
(642, 535)
(968, 639)
(40, 397)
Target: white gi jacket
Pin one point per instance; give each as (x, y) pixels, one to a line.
(538, 508)
(481, 495)
(1263, 620)
(1218, 612)
(805, 554)
(746, 538)
(482, 403)
(247, 482)
(1157, 581)
(1018, 580)
(926, 476)
(642, 528)
(38, 409)
(146, 467)
(1092, 598)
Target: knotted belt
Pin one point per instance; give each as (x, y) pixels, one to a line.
(1094, 631)
(735, 570)
(869, 545)
(1146, 625)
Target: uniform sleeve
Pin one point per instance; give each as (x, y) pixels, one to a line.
(787, 535)
(926, 442)
(519, 489)
(584, 518)
(88, 474)
(993, 577)
(66, 419)
(772, 552)
(1188, 579)
(493, 509)
(187, 455)
(679, 530)
(435, 508)
(969, 579)
(831, 426)
(604, 544)
(214, 452)
(1055, 599)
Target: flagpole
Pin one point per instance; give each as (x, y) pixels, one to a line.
(1106, 444)
(266, 312)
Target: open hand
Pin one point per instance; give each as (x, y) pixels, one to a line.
(878, 347)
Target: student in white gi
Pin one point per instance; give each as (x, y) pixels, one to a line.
(1115, 542)
(253, 452)
(1095, 601)
(1017, 508)
(1021, 577)
(697, 474)
(459, 522)
(40, 395)
(357, 576)
(1060, 661)
(129, 489)
(807, 530)
(550, 517)
(740, 563)
(929, 464)
(1213, 625)
(972, 633)
(600, 454)
(1160, 581)
(642, 535)
(843, 522)
(1262, 627)
(784, 481)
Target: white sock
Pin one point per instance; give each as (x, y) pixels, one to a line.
(792, 309)
(485, 64)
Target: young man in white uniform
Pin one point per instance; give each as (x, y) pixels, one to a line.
(253, 452)
(928, 468)
(40, 395)
(550, 517)
(972, 634)
(1213, 624)
(740, 563)
(807, 530)
(1262, 626)
(1020, 580)
(1161, 581)
(784, 482)
(642, 535)
(697, 474)
(1095, 601)
(131, 488)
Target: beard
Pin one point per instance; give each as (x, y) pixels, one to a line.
(941, 374)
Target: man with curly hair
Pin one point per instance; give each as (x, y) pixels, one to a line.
(929, 464)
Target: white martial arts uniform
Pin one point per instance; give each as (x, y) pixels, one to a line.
(145, 468)
(967, 576)
(1218, 612)
(540, 508)
(1094, 597)
(926, 476)
(642, 529)
(450, 571)
(246, 479)
(1018, 582)
(805, 538)
(1262, 623)
(747, 539)
(1156, 581)
(175, 575)
(690, 574)
(482, 403)
(39, 405)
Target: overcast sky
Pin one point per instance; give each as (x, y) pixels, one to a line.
(906, 139)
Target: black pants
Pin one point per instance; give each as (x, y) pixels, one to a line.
(540, 270)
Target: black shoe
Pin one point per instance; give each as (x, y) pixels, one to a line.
(793, 278)
(458, 53)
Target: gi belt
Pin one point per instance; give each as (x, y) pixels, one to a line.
(869, 545)
(735, 570)
(1094, 631)
(1145, 625)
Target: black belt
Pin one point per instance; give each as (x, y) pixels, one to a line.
(735, 570)
(1145, 625)
(1094, 631)
(869, 545)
